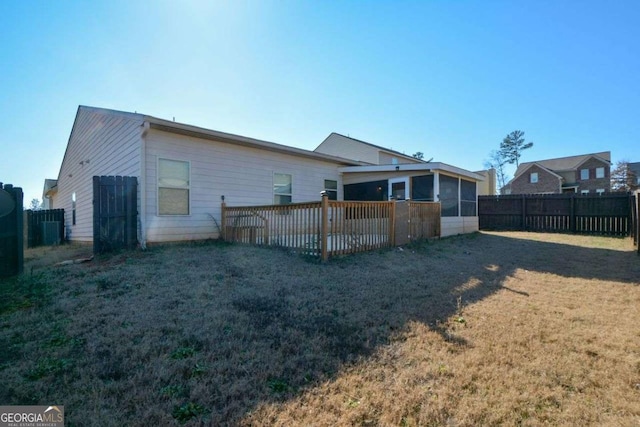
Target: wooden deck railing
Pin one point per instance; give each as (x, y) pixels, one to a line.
(327, 227)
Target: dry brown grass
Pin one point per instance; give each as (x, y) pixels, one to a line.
(487, 329)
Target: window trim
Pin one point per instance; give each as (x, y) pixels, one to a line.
(584, 191)
(603, 172)
(188, 162)
(401, 180)
(582, 178)
(537, 178)
(330, 191)
(600, 191)
(273, 188)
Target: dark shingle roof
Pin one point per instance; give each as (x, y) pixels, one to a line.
(565, 163)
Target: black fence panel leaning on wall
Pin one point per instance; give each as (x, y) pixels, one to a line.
(607, 214)
(11, 230)
(115, 213)
(44, 227)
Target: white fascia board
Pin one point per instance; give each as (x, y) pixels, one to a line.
(410, 167)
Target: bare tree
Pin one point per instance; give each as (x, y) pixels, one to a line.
(497, 161)
(623, 179)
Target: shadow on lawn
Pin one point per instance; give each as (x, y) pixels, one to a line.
(351, 306)
(254, 326)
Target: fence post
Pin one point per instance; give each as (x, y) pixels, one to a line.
(223, 220)
(630, 220)
(524, 213)
(324, 227)
(392, 225)
(637, 219)
(572, 217)
(18, 224)
(20, 220)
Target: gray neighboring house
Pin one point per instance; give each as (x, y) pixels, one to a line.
(582, 174)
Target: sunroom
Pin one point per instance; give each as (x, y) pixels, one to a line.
(456, 189)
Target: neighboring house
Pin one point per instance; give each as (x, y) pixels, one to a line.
(183, 172)
(49, 188)
(488, 186)
(583, 174)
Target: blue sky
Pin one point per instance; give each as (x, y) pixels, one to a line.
(448, 78)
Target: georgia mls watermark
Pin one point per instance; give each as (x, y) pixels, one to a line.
(31, 416)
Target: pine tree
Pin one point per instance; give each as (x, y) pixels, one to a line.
(513, 145)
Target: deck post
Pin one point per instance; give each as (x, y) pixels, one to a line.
(324, 227)
(223, 226)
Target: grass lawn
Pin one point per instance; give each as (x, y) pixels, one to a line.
(484, 329)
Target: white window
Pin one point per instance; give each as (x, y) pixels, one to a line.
(584, 174)
(584, 192)
(534, 177)
(331, 187)
(282, 189)
(599, 172)
(173, 187)
(394, 160)
(600, 191)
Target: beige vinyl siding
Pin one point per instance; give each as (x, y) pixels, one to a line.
(111, 143)
(243, 175)
(385, 158)
(337, 145)
(347, 148)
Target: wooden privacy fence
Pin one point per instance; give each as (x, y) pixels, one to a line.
(11, 230)
(327, 227)
(44, 227)
(115, 213)
(606, 214)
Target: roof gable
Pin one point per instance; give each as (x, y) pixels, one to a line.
(334, 136)
(565, 163)
(529, 166)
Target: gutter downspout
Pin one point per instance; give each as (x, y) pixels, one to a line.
(143, 185)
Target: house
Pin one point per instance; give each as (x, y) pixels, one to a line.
(183, 172)
(488, 186)
(49, 188)
(583, 174)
